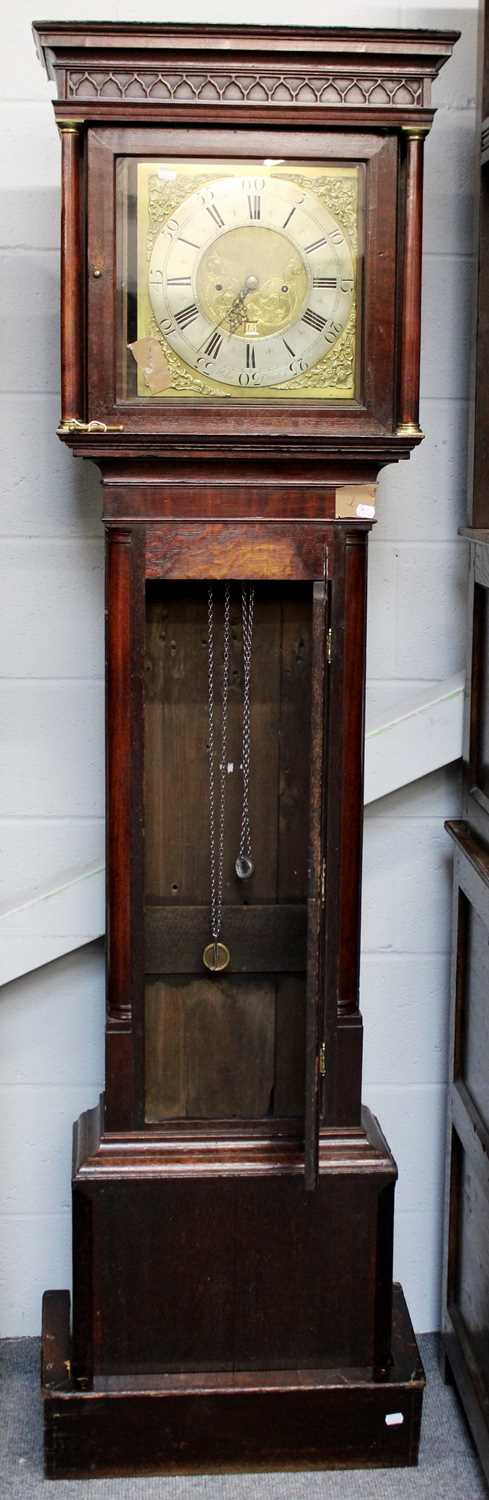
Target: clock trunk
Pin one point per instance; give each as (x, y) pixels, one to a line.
(229, 1046)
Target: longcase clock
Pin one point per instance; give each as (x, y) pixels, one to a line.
(240, 296)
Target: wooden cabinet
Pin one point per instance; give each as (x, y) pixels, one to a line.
(465, 1336)
(241, 257)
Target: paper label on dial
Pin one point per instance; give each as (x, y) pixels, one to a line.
(151, 360)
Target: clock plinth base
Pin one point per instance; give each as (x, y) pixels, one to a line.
(211, 1422)
(291, 1278)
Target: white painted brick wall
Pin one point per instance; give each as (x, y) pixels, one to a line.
(51, 751)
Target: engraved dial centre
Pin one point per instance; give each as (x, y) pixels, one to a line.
(252, 282)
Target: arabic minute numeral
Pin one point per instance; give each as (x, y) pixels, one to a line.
(187, 315)
(297, 365)
(314, 319)
(253, 187)
(346, 284)
(333, 333)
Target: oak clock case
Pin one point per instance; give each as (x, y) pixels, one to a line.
(241, 254)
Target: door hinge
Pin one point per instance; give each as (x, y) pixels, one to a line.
(329, 646)
(322, 1059)
(323, 882)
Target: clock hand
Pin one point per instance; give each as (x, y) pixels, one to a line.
(249, 285)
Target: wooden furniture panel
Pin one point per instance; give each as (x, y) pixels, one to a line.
(218, 1039)
(273, 938)
(479, 497)
(305, 1235)
(225, 1048)
(480, 690)
(465, 1337)
(210, 1240)
(221, 550)
(477, 719)
(175, 1320)
(124, 651)
(473, 1003)
(472, 1273)
(253, 1421)
(288, 1094)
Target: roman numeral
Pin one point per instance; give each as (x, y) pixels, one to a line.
(288, 219)
(324, 281)
(288, 348)
(314, 319)
(192, 243)
(248, 376)
(187, 315)
(215, 215)
(254, 205)
(179, 281)
(214, 345)
(316, 245)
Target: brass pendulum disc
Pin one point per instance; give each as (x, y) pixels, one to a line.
(216, 957)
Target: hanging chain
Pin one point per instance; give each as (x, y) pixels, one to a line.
(216, 955)
(244, 862)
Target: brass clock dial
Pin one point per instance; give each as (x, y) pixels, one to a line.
(239, 280)
(251, 280)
